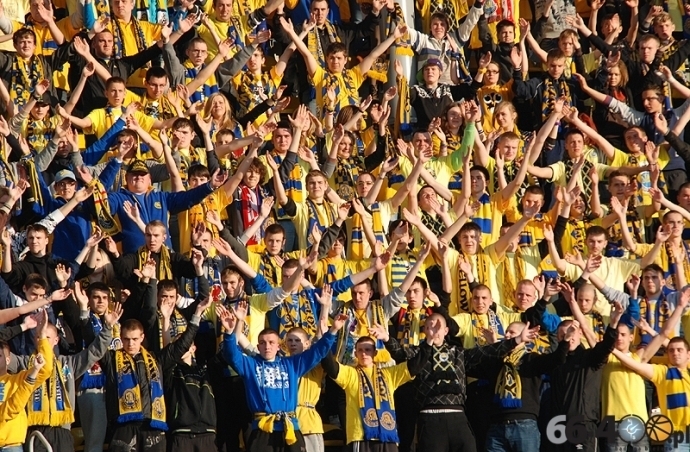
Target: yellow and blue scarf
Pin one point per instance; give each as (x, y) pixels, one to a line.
(508, 391)
(411, 329)
(345, 346)
(315, 219)
(119, 42)
(378, 416)
(297, 313)
(50, 402)
(178, 325)
(209, 87)
(129, 390)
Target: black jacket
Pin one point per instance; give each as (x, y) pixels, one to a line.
(576, 384)
(191, 406)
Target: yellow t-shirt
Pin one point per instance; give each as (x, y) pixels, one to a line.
(470, 338)
(323, 214)
(619, 403)
(332, 269)
(346, 86)
(485, 275)
(151, 33)
(102, 119)
(489, 216)
(216, 201)
(621, 159)
(612, 270)
(559, 173)
(308, 393)
(348, 379)
(673, 386)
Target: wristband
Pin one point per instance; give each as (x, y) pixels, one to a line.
(482, 70)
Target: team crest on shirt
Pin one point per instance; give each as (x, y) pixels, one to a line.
(157, 205)
(443, 357)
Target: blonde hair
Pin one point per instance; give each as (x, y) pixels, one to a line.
(662, 19)
(227, 122)
(503, 105)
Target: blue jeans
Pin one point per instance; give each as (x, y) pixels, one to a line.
(12, 449)
(519, 436)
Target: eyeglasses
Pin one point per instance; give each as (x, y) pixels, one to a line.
(491, 72)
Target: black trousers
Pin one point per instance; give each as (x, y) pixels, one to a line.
(260, 441)
(135, 437)
(445, 432)
(191, 442)
(406, 412)
(232, 412)
(478, 396)
(59, 438)
(372, 446)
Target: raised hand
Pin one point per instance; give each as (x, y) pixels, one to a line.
(222, 247)
(240, 310)
(548, 233)
(63, 274)
(201, 307)
(485, 60)
(60, 294)
(132, 210)
(39, 362)
(380, 332)
(633, 285)
(593, 263)
(326, 297)
(662, 234)
(516, 57)
(218, 179)
(227, 319)
(112, 316)
(528, 334)
(81, 297)
(390, 94)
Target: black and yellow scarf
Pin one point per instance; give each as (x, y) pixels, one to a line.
(26, 74)
(104, 219)
(178, 325)
(483, 276)
(508, 390)
(314, 43)
(552, 91)
(411, 326)
(164, 268)
(119, 42)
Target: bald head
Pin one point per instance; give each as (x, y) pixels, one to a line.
(435, 328)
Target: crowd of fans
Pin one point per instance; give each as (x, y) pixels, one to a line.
(255, 225)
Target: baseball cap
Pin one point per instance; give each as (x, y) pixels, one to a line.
(434, 62)
(138, 166)
(64, 174)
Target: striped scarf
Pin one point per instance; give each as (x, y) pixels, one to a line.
(104, 219)
(577, 234)
(178, 325)
(511, 275)
(293, 185)
(670, 273)
(249, 207)
(119, 42)
(402, 45)
(209, 87)
(434, 224)
(34, 190)
(552, 91)
(375, 406)
(586, 180)
(50, 403)
(676, 402)
(164, 269)
(269, 269)
(345, 176)
(251, 88)
(508, 391)
(94, 377)
(49, 45)
(598, 325)
(317, 220)
(24, 76)
(614, 247)
(411, 326)
(314, 42)
(356, 244)
(401, 264)
(350, 93)
(656, 316)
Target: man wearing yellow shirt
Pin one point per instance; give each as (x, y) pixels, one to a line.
(346, 82)
(371, 421)
(18, 388)
(480, 263)
(227, 24)
(315, 210)
(612, 270)
(99, 121)
(671, 380)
